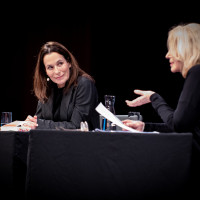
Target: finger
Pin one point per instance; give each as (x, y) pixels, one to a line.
(139, 92)
(32, 119)
(30, 124)
(130, 103)
(134, 103)
(126, 121)
(29, 117)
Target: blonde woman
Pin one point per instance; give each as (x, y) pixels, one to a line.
(184, 57)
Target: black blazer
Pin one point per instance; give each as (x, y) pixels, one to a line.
(76, 106)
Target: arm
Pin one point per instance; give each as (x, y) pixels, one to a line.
(187, 113)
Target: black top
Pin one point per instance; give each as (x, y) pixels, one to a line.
(58, 94)
(69, 110)
(186, 117)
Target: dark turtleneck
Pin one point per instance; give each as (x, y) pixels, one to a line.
(58, 93)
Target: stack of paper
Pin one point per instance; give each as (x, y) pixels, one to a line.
(15, 126)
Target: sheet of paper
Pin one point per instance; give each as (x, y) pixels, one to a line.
(101, 109)
(15, 126)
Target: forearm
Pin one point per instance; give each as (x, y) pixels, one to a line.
(50, 124)
(163, 109)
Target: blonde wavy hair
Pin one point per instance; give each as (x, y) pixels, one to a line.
(184, 45)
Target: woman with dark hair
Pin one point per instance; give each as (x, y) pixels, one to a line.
(67, 95)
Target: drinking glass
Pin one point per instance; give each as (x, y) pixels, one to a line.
(6, 117)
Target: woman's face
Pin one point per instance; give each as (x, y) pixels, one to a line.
(57, 68)
(176, 65)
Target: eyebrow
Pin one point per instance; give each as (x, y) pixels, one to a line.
(59, 60)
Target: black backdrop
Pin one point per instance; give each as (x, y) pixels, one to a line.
(122, 46)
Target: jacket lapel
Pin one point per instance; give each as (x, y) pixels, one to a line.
(65, 104)
(48, 108)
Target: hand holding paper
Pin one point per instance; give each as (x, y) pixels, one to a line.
(101, 109)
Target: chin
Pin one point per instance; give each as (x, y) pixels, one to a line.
(173, 70)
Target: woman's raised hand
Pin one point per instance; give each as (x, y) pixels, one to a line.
(143, 99)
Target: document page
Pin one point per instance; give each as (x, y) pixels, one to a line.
(15, 126)
(101, 109)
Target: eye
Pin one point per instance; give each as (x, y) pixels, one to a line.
(60, 63)
(49, 67)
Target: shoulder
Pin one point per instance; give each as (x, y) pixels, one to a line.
(194, 69)
(86, 84)
(193, 76)
(82, 80)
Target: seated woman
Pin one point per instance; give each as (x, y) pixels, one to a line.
(184, 57)
(66, 94)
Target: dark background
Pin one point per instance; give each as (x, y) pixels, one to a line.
(122, 46)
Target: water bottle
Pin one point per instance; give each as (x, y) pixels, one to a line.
(110, 105)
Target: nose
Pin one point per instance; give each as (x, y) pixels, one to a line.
(56, 70)
(167, 55)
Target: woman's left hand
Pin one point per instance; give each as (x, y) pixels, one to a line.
(144, 98)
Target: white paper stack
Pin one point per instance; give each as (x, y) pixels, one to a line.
(15, 126)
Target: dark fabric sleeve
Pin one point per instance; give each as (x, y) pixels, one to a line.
(39, 110)
(163, 109)
(187, 114)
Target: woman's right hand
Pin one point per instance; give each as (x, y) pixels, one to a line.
(137, 125)
(143, 99)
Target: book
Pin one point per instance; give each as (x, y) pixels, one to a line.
(15, 126)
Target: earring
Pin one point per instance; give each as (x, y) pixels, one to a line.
(48, 79)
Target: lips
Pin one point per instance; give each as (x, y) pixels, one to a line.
(59, 77)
